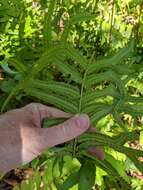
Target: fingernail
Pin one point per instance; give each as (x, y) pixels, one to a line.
(83, 120)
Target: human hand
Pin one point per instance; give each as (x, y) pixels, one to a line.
(22, 138)
(96, 151)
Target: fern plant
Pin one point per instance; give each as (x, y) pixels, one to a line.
(79, 84)
(85, 88)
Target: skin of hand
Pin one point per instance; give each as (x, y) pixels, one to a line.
(22, 139)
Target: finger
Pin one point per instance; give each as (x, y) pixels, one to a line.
(98, 152)
(49, 112)
(95, 151)
(41, 112)
(62, 133)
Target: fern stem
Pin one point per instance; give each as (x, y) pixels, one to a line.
(79, 109)
(83, 84)
(81, 92)
(80, 101)
(111, 24)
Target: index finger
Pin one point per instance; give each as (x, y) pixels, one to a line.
(47, 111)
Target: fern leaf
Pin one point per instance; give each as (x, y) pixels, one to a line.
(58, 52)
(134, 110)
(98, 138)
(105, 76)
(130, 151)
(60, 88)
(108, 62)
(67, 69)
(122, 69)
(19, 66)
(132, 154)
(118, 120)
(119, 140)
(47, 58)
(6, 68)
(93, 107)
(122, 138)
(138, 164)
(123, 53)
(98, 115)
(119, 167)
(90, 96)
(134, 99)
(20, 86)
(53, 99)
(75, 55)
(97, 78)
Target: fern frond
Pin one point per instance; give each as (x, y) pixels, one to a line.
(123, 53)
(96, 138)
(47, 58)
(97, 78)
(134, 110)
(75, 55)
(93, 107)
(132, 154)
(119, 166)
(90, 140)
(19, 66)
(98, 115)
(123, 69)
(60, 88)
(67, 69)
(20, 86)
(108, 91)
(122, 138)
(113, 61)
(134, 99)
(106, 166)
(57, 101)
(105, 76)
(118, 119)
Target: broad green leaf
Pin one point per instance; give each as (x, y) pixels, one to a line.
(86, 176)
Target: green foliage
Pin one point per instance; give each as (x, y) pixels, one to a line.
(79, 63)
(86, 176)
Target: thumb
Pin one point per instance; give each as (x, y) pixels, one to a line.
(61, 133)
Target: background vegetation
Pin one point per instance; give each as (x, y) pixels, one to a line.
(82, 57)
